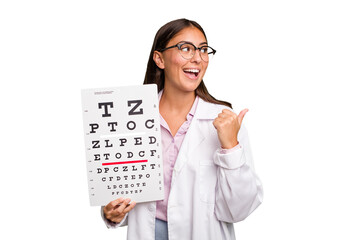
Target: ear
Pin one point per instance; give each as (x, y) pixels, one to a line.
(158, 59)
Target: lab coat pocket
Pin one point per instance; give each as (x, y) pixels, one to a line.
(207, 181)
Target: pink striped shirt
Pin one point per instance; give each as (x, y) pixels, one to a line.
(170, 149)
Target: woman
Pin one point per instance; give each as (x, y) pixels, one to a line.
(208, 171)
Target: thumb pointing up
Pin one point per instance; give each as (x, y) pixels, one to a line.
(242, 115)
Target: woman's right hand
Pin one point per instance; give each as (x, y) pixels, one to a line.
(116, 210)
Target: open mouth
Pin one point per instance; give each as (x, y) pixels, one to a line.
(192, 72)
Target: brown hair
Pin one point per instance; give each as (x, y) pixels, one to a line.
(156, 75)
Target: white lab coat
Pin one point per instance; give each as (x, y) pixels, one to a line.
(209, 190)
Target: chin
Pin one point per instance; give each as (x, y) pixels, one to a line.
(191, 87)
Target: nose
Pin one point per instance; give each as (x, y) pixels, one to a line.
(196, 57)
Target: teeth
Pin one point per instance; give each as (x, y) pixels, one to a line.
(192, 70)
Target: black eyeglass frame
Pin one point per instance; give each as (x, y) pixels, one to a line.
(180, 44)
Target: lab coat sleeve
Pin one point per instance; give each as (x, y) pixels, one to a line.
(239, 191)
(110, 224)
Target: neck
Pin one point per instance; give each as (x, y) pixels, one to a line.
(176, 101)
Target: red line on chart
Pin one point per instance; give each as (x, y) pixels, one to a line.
(116, 163)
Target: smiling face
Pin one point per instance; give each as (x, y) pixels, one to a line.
(182, 74)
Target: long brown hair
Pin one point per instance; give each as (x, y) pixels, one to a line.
(156, 75)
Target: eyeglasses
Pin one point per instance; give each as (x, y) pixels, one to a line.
(187, 50)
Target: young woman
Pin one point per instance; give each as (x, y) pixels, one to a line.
(209, 177)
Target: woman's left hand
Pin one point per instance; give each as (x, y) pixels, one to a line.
(227, 125)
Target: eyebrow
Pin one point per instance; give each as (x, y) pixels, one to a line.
(193, 43)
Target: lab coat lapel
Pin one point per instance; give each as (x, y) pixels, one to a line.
(195, 135)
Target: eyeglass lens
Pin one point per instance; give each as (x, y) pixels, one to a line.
(187, 51)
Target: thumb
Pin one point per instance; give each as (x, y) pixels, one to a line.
(242, 114)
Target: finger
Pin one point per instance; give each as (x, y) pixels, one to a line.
(222, 115)
(129, 207)
(227, 111)
(113, 204)
(216, 122)
(117, 202)
(242, 115)
(123, 205)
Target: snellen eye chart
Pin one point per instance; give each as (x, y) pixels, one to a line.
(123, 144)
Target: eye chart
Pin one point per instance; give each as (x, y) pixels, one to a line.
(123, 144)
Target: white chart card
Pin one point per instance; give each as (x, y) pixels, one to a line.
(123, 144)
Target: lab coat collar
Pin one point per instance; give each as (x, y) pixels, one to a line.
(207, 111)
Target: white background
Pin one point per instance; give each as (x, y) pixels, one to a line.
(294, 64)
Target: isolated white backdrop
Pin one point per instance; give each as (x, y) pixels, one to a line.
(294, 64)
